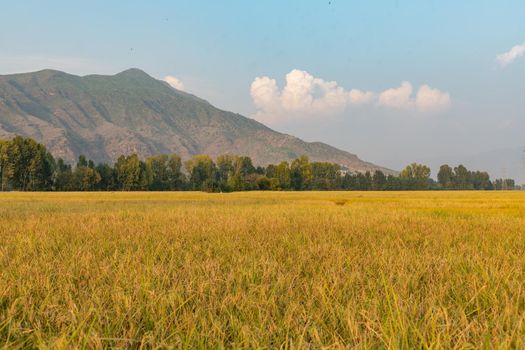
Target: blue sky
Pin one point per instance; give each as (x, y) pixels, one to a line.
(470, 102)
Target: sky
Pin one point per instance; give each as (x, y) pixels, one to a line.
(391, 81)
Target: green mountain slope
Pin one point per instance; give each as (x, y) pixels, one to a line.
(106, 116)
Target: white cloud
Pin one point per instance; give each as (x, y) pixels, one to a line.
(305, 96)
(397, 97)
(427, 99)
(264, 92)
(508, 57)
(174, 82)
(360, 97)
(302, 96)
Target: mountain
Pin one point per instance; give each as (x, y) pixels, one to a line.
(103, 117)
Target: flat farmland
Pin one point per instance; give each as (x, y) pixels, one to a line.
(272, 270)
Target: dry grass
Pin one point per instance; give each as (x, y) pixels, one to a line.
(263, 270)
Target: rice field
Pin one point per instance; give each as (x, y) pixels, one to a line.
(262, 270)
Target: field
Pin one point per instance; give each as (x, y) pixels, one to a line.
(263, 270)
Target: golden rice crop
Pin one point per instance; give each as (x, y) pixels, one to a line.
(262, 270)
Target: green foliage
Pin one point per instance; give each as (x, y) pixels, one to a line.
(157, 173)
(131, 173)
(325, 176)
(416, 176)
(85, 177)
(3, 164)
(460, 178)
(108, 181)
(225, 170)
(63, 177)
(242, 177)
(379, 181)
(175, 176)
(301, 174)
(203, 173)
(25, 165)
(163, 173)
(283, 175)
(446, 176)
(504, 184)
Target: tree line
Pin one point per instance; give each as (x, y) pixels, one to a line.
(26, 165)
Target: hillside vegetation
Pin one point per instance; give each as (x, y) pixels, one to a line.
(262, 270)
(26, 165)
(103, 117)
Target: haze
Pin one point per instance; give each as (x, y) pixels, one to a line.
(392, 82)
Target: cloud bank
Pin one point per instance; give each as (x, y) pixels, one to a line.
(174, 82)
(305, 96)
(427, 99)
(510, 56)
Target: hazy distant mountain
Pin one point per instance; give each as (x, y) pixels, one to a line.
(506, 162)
(106, 116)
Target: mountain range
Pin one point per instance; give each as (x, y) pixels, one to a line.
(104, 116)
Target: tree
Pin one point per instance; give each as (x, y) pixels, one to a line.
(347, 181)
(82, 161)
(379, 182)
(130, 173)
(242, 169)
(107, 177)
(225, 171)
(244, 166)
(28, 166)
(393, 183)
(19, 157)
(301, 174)
(175, 176)
(504, 184)
(42, 168)
(63, 178)
(446, 176)
(283, 175)
(157, 172)
(362, 181)
(3, 164)
(462, 179)
(324, 175)
(263, 183)
(202, 172)
(480, 180)
(85, 176)
(415, 176)
(164, 173)
(271, 171)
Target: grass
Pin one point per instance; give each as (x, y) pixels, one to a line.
(426, 270)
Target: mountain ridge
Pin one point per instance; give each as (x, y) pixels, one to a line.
(104, 116)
